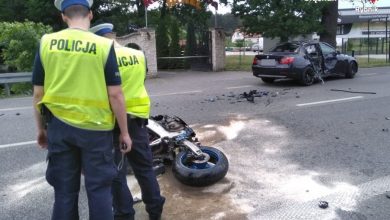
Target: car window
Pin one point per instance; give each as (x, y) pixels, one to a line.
(310, 49)
(288, 47)
(326, 49)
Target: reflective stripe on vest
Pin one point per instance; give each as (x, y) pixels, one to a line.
(132, 68)
(74, 87)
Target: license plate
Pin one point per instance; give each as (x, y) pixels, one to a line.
(268, 62)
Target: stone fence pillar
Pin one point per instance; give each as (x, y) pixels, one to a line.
(146, 39)
(218, 49)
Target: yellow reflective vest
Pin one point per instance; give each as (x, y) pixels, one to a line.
(74, 84)
(132, 68)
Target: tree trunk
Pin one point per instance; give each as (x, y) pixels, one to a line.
(329, 23)
(163, 9)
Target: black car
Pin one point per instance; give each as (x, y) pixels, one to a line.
(303, 61)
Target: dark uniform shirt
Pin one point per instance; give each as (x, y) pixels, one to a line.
(110, 70)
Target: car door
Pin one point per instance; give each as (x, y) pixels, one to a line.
(314, 56)
(330, 58)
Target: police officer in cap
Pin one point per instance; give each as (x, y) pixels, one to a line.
(77, 87)
(132, 67)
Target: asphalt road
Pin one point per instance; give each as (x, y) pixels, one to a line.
(288, 150)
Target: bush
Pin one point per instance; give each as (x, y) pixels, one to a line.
(22, 89)
(19, 41)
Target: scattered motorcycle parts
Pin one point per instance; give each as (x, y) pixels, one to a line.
(323, 204)
(172, 141)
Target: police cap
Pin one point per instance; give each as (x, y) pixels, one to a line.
(102, 29)
(63, 4)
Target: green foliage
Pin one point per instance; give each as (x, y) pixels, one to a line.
(21, 89)
(162, 43)
(228, 22)
(42, 11)
(240, 43)
(118, 13)
(174, 47)
(279, 18)
(190, 40)
(20, 41)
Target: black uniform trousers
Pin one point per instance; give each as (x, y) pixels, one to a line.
(71, 150)
(140, 159)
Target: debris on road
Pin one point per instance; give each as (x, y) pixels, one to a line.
(1, 115)
(388, 195)
(17, 113)
(387, 118)
(350, 91)
(337, 138)
(385, 130)
(249, 96)
(323, 204)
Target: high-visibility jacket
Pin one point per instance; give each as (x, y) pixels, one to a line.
(132, 67)
(74, 84)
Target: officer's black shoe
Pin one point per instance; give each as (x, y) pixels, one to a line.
(124, 217)
(154, 217)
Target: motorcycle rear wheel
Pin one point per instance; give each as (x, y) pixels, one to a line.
(193, 173)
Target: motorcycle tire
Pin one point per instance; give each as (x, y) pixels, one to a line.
(189, 174)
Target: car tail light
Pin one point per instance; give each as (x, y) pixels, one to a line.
(287, 60)
(254, 61)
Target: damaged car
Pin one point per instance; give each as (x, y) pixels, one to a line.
(304, 62)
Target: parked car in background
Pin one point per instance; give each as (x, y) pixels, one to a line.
(304, 62)
(257, 47)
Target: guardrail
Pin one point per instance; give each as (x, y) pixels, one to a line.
(9, 78)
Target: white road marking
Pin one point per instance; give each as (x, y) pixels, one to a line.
(17, 144)
(330, 101)
(238, 87)
(177, 93)
(14, 109)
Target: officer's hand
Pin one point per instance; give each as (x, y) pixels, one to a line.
(42, 139)
(125, 143)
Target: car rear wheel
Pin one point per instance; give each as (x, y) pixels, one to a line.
(267, 80)
(307, 77)
(352, 69)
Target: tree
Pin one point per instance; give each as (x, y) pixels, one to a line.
(20, 41)
(42, 11)
(190, 49)
(228, 22)
(162, 43)
(329, 22)
(174, 46)
(279, 18)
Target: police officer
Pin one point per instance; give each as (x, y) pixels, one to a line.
(132, 67)
(77, 86)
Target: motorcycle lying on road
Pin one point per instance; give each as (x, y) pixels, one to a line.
(172, 141)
